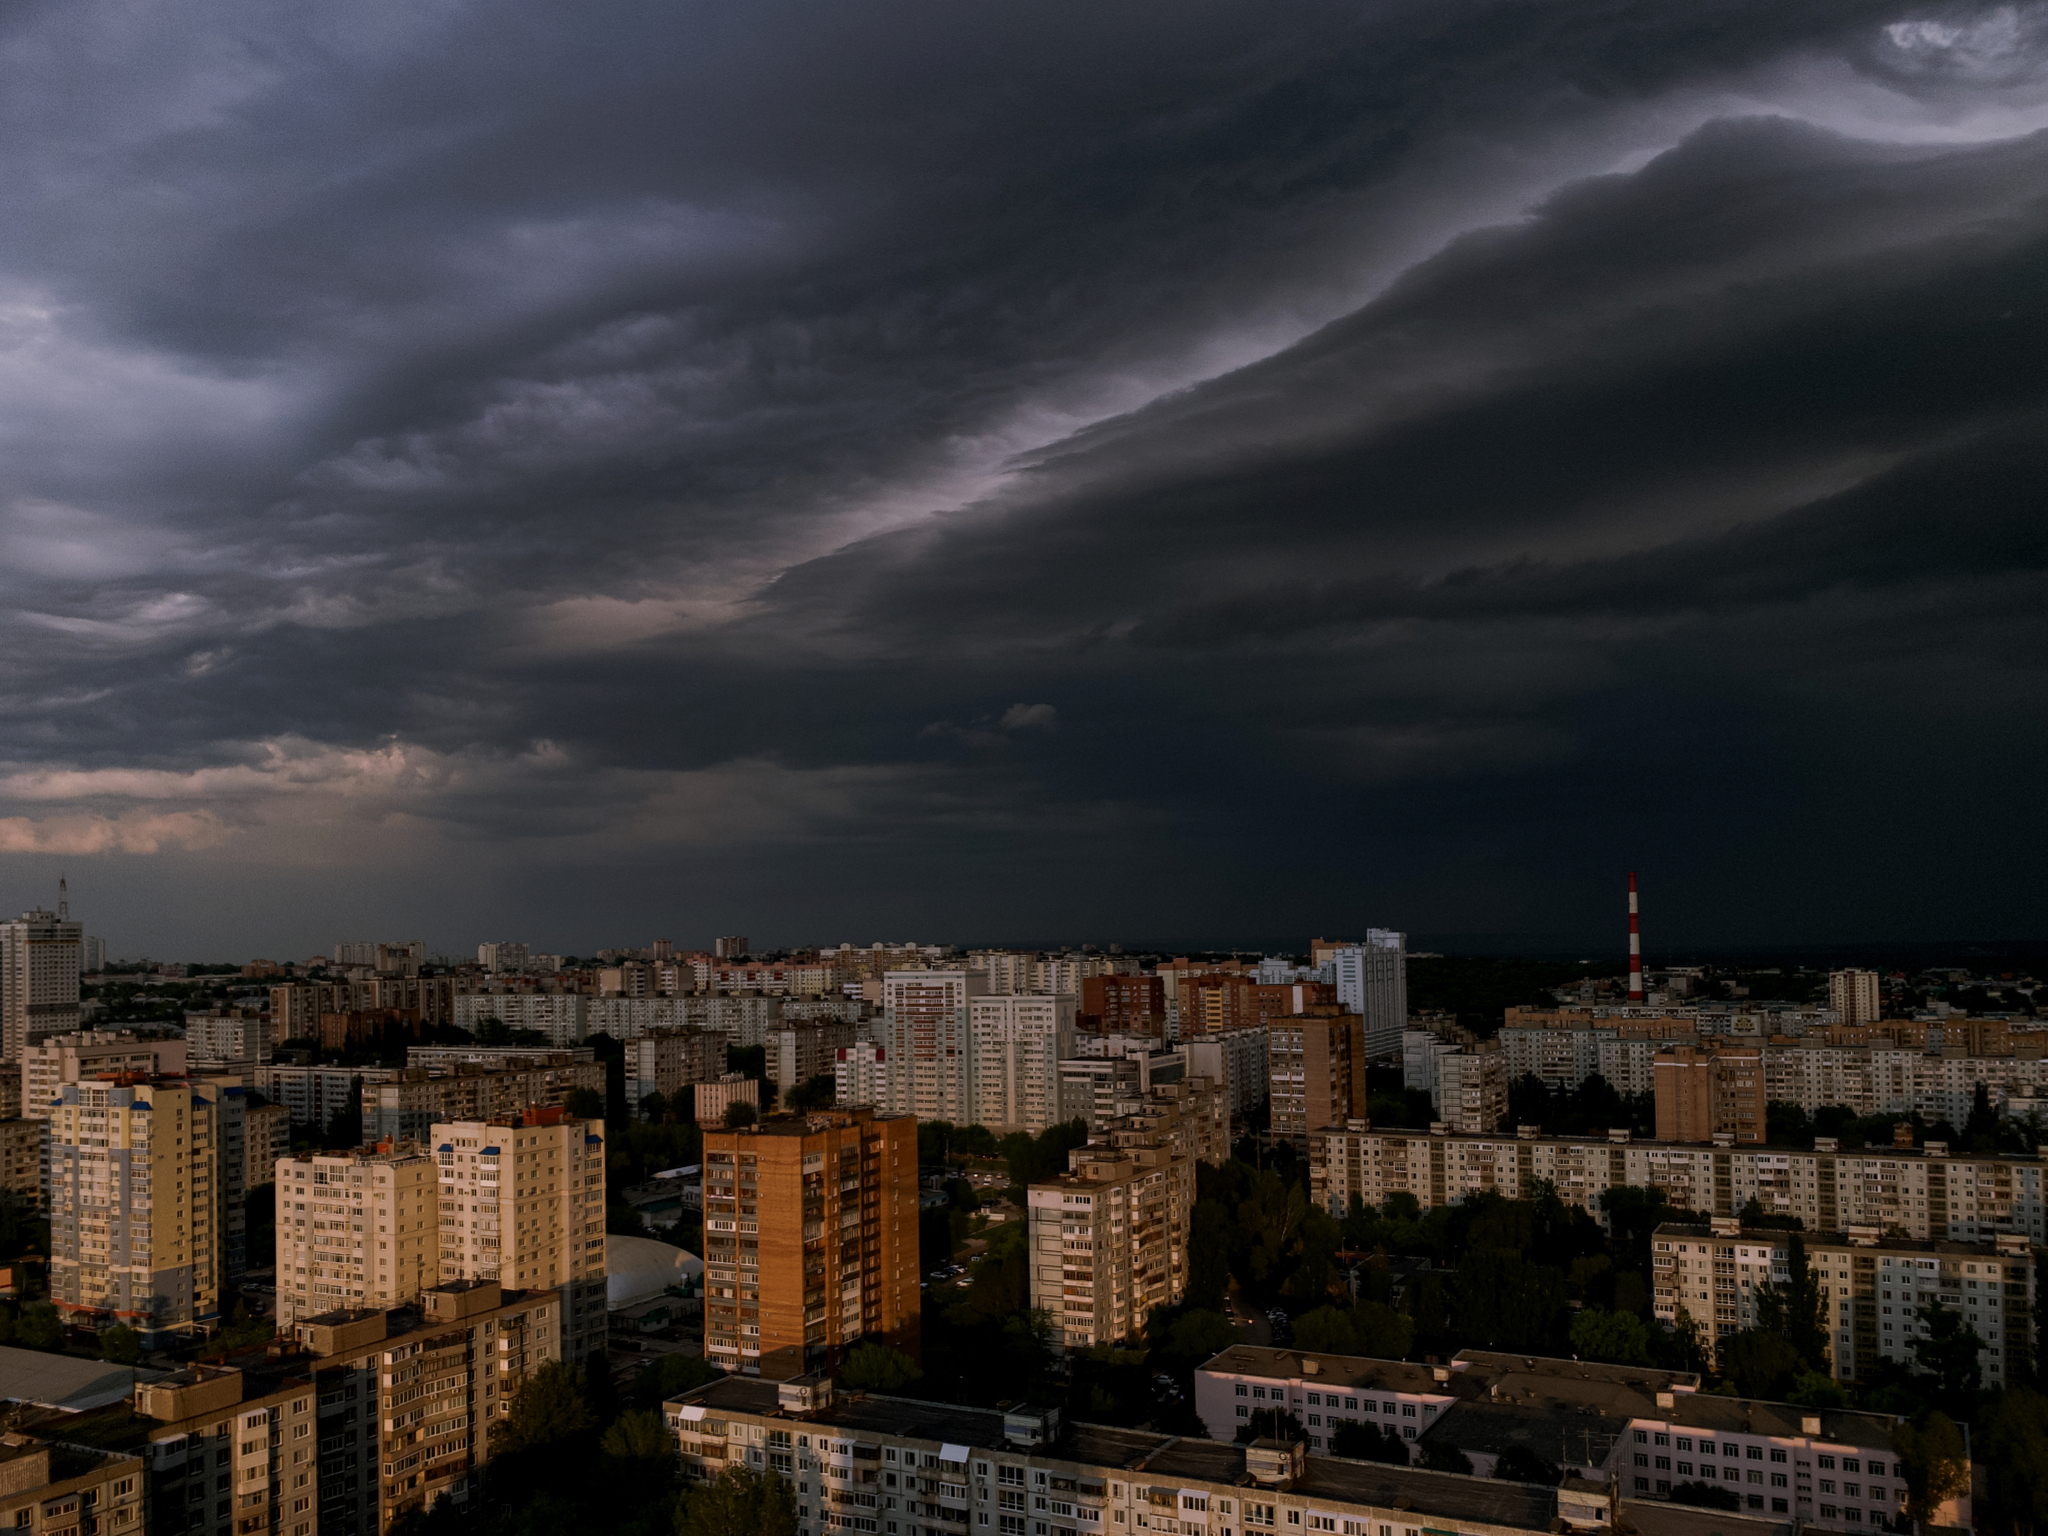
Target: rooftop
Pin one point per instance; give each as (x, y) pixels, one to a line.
(64, 1382)
(1473, 1373)
(1835, 1239)
(1643, 1517)
(1736, 1415)
(1143, 1453)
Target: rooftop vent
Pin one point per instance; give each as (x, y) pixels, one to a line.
(1031, 1426)
(1273, 1463)
(804, 1394)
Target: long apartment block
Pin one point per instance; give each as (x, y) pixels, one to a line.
(1875, 1287)
(873, 1464)
(1922, 1192)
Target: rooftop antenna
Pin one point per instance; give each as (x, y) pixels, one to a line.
(1635, 945)
(63, 900)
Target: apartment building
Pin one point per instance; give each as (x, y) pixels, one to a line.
(1238, 1060)
(1122, 1005)
(495, 1058)
(1715, 1273)
(562, 1017)
(48, 1486)
(1189, 1115)
(49, 1064)
(522, 1203)
(408, 1107)
(1109, 1241)
(137, 1205)
(1468, 1084)
(874, 1461)
(357, 1230)
(858, 1073)
(1403, 1397)
(224, 1037)
(1705, 1093)
(668, 1061)
(1855, 996)
(1922, 1192)
(1315, 1072)
(232, 1453)
(312, 1095)
(1566, 1046)
(1824, 1468)
(267, 1137)
(1016, 1044)
(407, 1397)
(1372, 982)
(810, 1232)
(926, 1028)
(710, 1101)
(21, 1159)
(40, 962)
(796, 1053)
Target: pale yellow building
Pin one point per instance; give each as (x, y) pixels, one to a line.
(49, 1064)
(355, 1229)
(1109, 1241)
(521, 1202)
(137, 1230)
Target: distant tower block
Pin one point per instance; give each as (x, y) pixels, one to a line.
(1635, 945)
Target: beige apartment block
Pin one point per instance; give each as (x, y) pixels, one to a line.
(40, 955)
(136, 1205)
(21, 1159)
(1109, 1241)
(1916, 1192)
(49, 1064)
(1016, 1043)
(264, 1443)
(1873, 1284)
(522, 1203)
(929, 1041)
(47, 1485)
(356, 1229)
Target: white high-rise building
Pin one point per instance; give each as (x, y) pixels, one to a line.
(1017, 1044)
(1372, 982)
(505, 955)
(860, 1074)
(930, 1044)
(41, 954)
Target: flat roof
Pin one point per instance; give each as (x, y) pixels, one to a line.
(65, 1383)
(1736, 1415)
(1840, 1240)
(1144, 1454)
(1655, 1518)
(1473, 1373)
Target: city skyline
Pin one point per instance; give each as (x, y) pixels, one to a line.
(826, 474)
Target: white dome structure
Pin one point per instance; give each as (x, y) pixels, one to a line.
(640, 1269)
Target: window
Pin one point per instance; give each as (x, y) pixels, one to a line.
(1756, 1453)
(1851, 1464)
(1243, 1390)
(1642, 1437)
(1777, 1456)
(1827, 1463)
(1663, 1440)
(1315, 1399)
(1663, 1463)
(1244, 1410)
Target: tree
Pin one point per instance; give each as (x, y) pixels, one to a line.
(39, 1327)
(739, 1114)
(1980, 1130)
(549, 1411)
(120, 1344)
(742, 1502)
(873, 1367)
(653, 1106)
(1812, 1389)
(1933, 1462)
(584, 1104)
(1519, 1464)
(1368, 1442)
(1705, 1495)
(1364, 1328)
(1441, 1457)
(1760, 1364)
(1619, 1338)
(1270, 1424)
(2013, 1449)
(818, 1092)
(1949, 1353)
(670, 1376)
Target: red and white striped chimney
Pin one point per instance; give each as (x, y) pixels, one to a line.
(1635, 945)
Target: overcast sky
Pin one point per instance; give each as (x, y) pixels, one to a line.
(1171, 472)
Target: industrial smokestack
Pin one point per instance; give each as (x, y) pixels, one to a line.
(1635, 945)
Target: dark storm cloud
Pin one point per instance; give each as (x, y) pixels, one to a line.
(913, 448)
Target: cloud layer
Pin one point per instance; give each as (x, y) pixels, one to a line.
(1179, 473)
